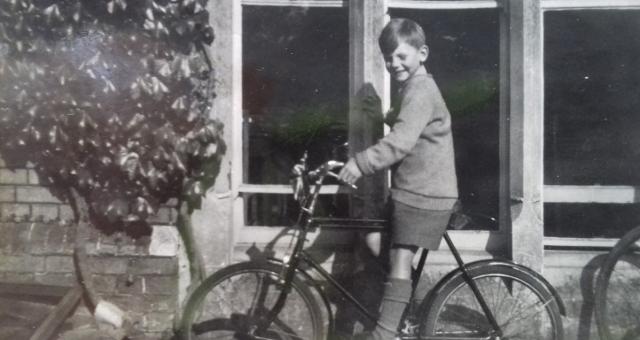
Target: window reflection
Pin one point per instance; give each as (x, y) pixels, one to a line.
(282, 210)
(590, 220)
(295, 87)
(591, 97)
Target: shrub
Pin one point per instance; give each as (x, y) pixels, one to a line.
(110, 99)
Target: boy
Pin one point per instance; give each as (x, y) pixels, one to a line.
(419, 151)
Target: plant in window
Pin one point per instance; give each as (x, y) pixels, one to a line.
(109, 101)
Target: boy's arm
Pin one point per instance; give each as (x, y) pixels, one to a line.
(416, 112)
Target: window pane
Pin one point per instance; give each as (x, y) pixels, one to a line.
(591, 97)
(464, 58)
(590, 220)
(295, 87)
(591, 118)
(282, 210)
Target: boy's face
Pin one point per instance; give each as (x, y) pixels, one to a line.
(405, 60)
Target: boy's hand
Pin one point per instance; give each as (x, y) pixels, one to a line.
(350, 173)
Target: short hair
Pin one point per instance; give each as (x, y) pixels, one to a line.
(401, 29)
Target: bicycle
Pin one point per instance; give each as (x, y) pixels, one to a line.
(617, 296)
(280, 299)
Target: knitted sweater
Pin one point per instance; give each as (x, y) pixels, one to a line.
(418, 149)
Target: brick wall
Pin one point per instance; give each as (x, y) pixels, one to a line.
(37, 235)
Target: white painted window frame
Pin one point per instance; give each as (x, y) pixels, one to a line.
(588, 193)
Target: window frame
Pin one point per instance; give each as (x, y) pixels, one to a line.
(242, 234)
(444, 4)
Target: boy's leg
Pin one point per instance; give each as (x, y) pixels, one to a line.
(397, 293)
(373, 241)
(401, 260)
(367, 282)
(374, 251)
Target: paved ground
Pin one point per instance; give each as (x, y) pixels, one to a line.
(19, 318)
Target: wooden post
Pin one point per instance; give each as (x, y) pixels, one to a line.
(58, 315)
(366, 78)
(526, 112)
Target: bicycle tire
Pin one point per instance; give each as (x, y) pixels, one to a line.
(227, 304)
(522, 305)
(617, 296)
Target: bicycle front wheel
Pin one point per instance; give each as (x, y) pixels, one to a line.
(232, 302)
(522, 306)
(617, 300)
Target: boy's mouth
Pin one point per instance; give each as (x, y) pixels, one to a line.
(399, 74)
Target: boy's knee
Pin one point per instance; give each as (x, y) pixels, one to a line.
(374, 243)
(401, 260)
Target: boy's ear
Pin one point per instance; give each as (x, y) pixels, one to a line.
(424, 53)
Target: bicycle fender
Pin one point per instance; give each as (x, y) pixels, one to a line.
(314, 285)
(497, 263)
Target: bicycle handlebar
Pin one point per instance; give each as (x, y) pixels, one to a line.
(325, 169)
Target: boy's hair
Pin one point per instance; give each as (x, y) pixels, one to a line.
(400, 29)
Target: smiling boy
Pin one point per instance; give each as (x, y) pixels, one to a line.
(419, 151)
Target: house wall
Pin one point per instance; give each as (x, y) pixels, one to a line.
(523, 193)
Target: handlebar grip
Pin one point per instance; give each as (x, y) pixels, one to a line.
(334, 175)
(326, 169)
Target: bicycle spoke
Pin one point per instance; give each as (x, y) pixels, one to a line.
(520, 311)
(237, 305)
(539, 308)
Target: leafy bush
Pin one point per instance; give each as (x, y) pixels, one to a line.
(110, 99)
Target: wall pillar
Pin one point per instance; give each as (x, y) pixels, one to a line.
(526, 134)
(213, 222)
(366, 78)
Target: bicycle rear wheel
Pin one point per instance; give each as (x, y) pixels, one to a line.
(617, 300)
(230, 303)
(522, 305)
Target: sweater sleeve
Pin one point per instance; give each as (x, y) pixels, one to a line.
(416, 111)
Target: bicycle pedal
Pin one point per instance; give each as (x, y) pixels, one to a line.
(409, 328)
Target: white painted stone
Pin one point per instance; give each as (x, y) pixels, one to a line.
(107, 312)
(164, 241)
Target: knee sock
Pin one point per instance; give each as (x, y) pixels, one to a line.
(397, 293)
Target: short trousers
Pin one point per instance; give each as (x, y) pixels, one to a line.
(412, 226)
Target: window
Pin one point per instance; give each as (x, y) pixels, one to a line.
(295, 87)
(592, 119)
(465, 64)
(295, 80)
(295, 96)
